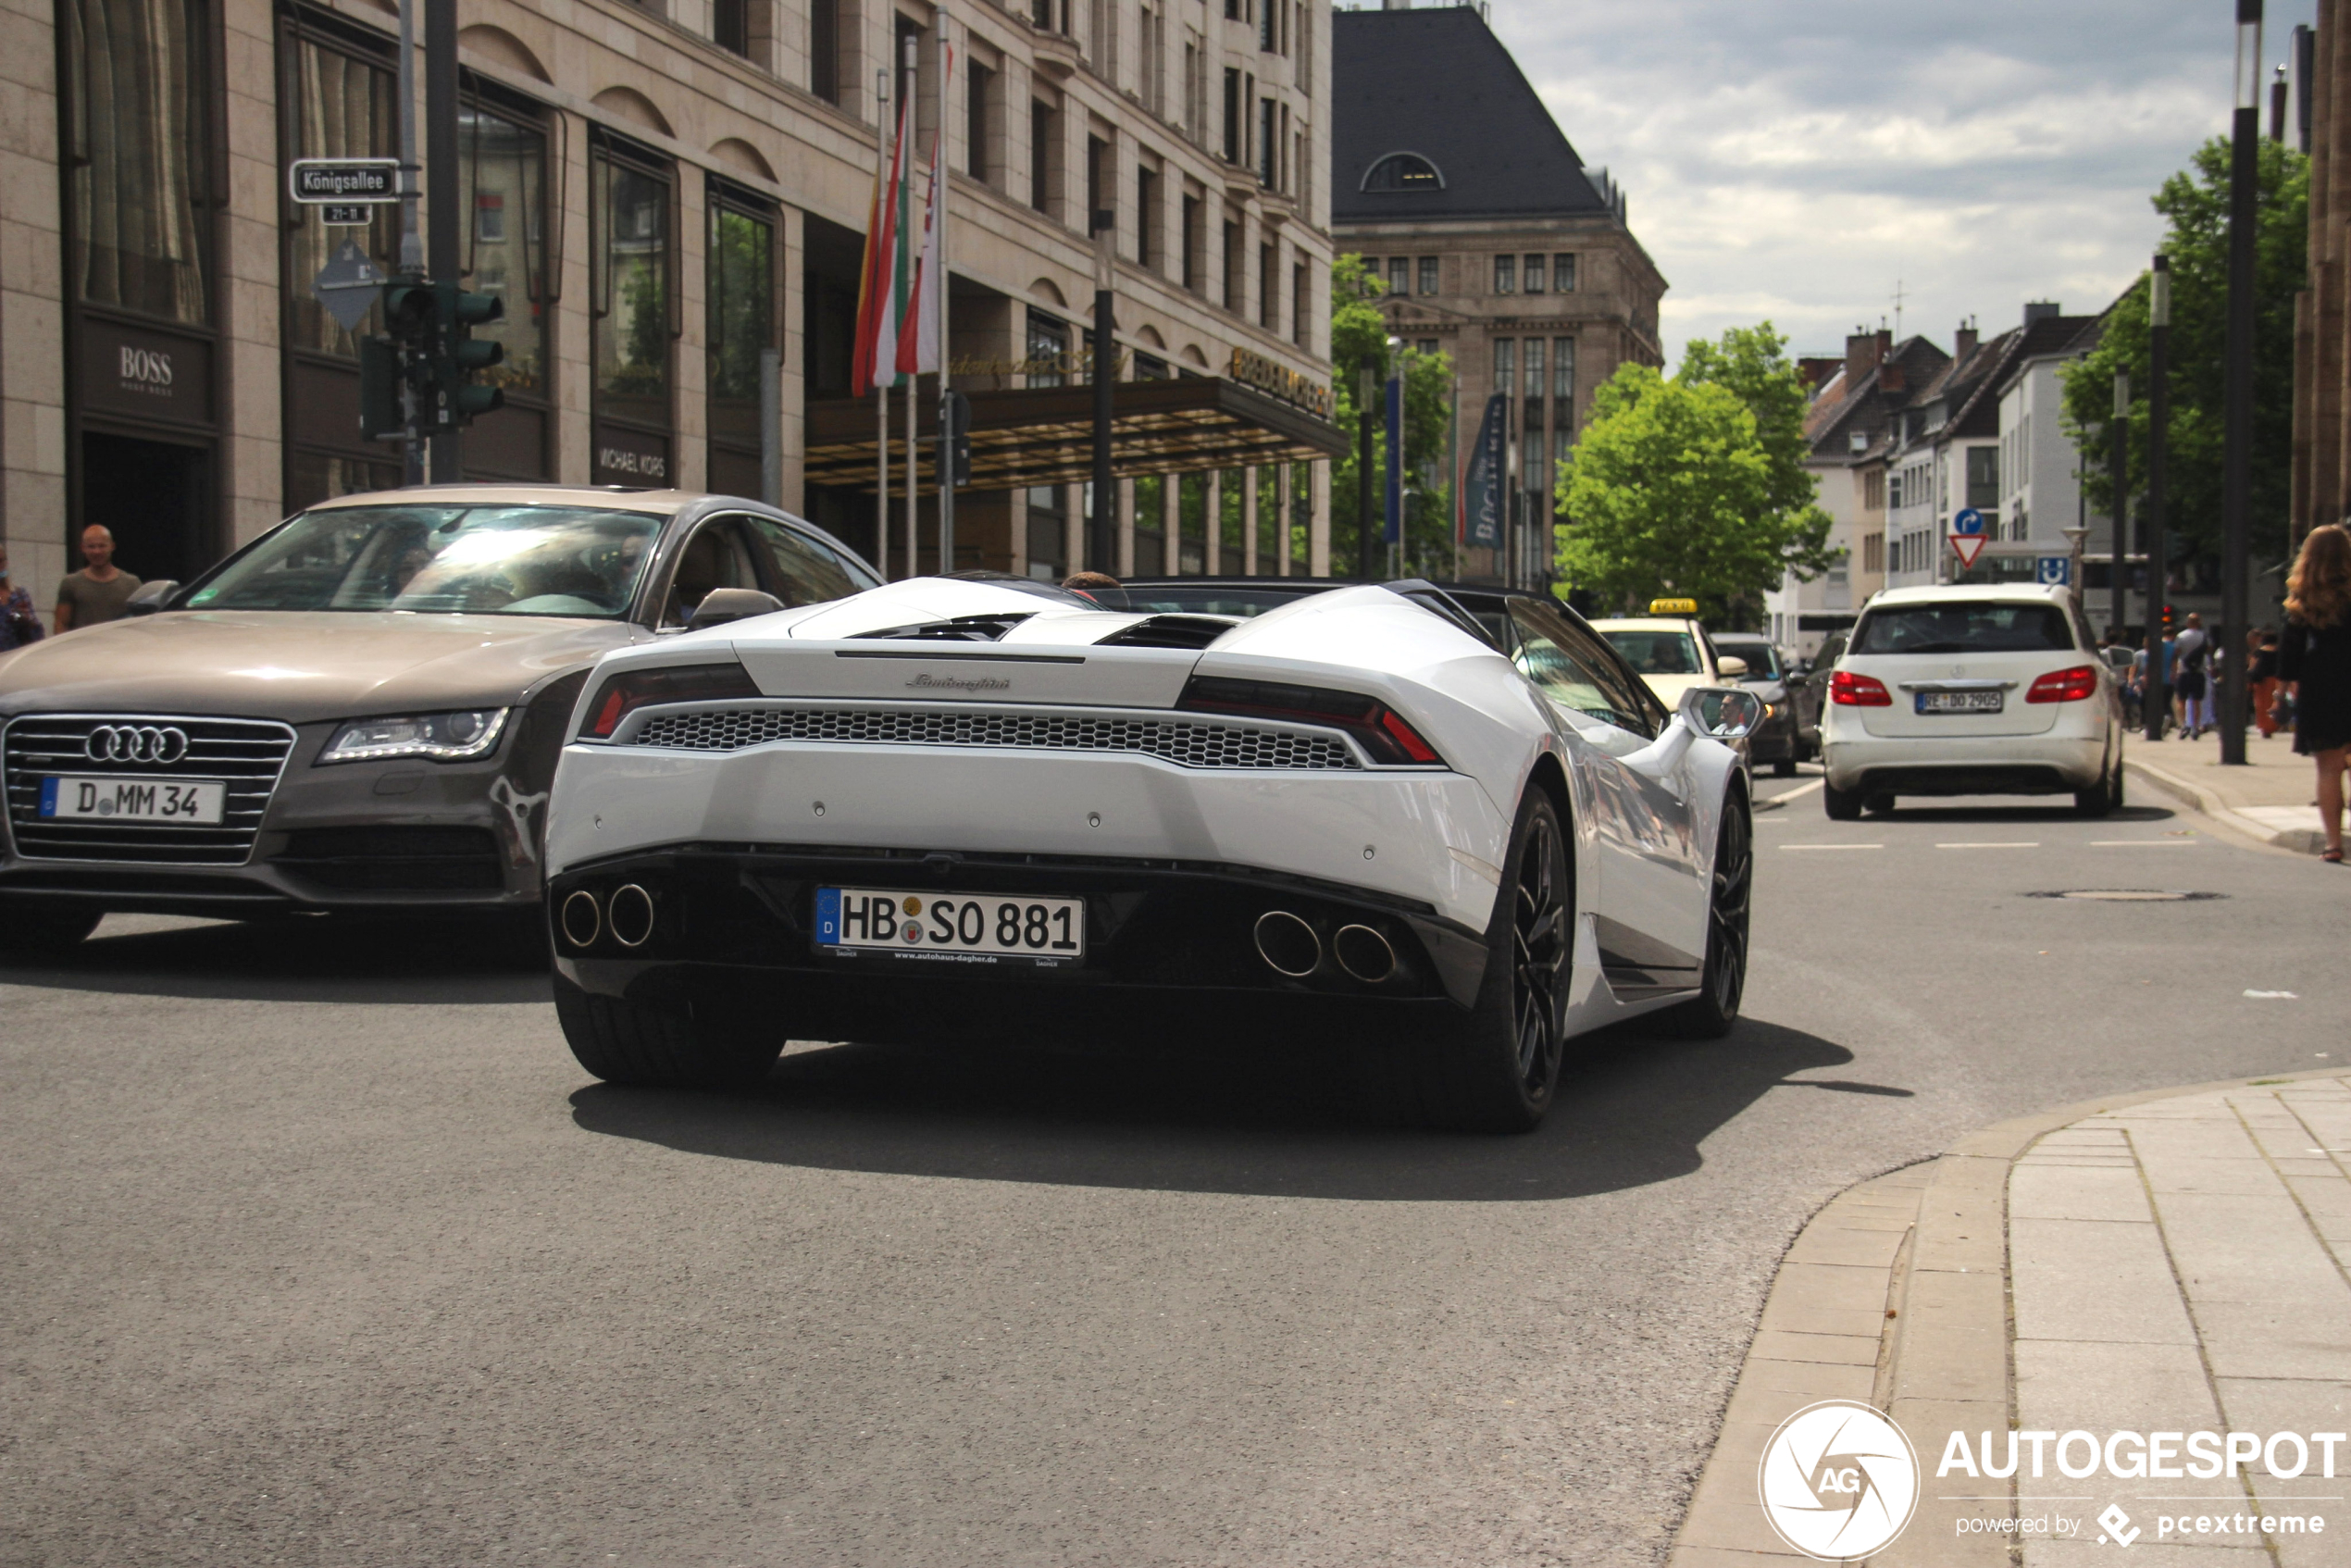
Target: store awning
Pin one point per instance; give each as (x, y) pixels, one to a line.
(1045, 435)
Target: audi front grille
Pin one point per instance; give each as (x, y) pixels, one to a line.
(247, 755)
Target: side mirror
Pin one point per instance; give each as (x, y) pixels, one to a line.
(1795, 677)
(150, 597)
(1721, 713)
(1730, 669)
(721, 606)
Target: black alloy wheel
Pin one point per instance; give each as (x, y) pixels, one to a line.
(1498, 1069)
(1730, 899)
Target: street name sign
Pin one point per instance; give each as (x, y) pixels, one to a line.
(343, 181)
(1967, 536)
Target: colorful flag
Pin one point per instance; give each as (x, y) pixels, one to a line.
(881, 288)
(918, 339)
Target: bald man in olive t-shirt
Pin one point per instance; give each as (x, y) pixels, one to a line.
(97, 593)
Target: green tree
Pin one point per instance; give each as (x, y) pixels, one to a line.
(1695, 485)
(2194, 204)
(1359, 337)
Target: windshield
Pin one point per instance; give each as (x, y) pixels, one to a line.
(1762, 659)
(1154, 598)
(1657, 653)
(443, 560)
(1960, 627)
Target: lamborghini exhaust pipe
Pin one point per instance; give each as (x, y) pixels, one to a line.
(1288, 944)
(1364, 953)
(582, 919)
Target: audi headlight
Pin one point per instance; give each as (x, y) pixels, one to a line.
(458, 737)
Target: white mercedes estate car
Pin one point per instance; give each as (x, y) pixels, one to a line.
(1986, 691)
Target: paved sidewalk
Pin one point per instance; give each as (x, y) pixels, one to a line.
(2270, 798)
(2159, 1267)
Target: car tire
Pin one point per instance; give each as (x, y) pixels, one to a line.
(629, 1043)
(35, 932)
(1878, 805)
(1498, 1069)
(1843, 805)
(1783, 768)
(1730, 898)
(2102, 799)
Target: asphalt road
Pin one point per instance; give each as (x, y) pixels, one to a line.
(319, 1249)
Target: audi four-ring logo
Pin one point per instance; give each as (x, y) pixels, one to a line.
(145, 742)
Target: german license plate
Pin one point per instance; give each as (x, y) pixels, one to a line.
(191, 801)
(973, 928)
(1960, 701)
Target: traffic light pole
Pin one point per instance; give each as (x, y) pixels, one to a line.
(2236, 459)
(2157, 702)
(444, 225)
(412, 248)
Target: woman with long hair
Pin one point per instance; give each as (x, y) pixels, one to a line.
(2314, 660)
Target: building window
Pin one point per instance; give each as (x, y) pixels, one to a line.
(1233, 153)
(1302, 304)
(1873, 547)
(1098, 179)
(740, 324)
(1506, 274)
(978, 94)
(731, 26)
(1235, 284)
(346, 109)
(1402, 171)
(1147, 216)
(1040, 12)
(1428, 275)
(1192, 240)
(1044, 128)
(1268, 144)
(502, 165)
(1425, 347)
(1505, 366)
(1532, 277)
(1048, 343)
(1874, 491)
(632, 305)
(1563, 378)
(1983, 478)
(1563, 274)
(1400, 275)
(824, 49)
(1269, 298)
(1534, 387)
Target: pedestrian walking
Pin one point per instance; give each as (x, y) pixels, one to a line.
(2314, 660)
(2194, 647)
(19, 622)
(2261, 673)
(100, 590)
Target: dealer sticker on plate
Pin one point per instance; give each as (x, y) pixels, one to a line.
(965, 927)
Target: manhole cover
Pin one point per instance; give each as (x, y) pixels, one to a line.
(2127, 895)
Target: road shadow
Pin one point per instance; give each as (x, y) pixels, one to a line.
(357, 959)
(1309, 1123)
(2027, 808)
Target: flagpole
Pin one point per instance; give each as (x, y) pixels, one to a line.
(944, 468)
(881, 389)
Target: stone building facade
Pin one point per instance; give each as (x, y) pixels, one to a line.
(1497, 245)
(657, 193)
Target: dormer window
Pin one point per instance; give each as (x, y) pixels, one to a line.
(1404, 171)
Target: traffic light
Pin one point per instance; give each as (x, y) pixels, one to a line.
(959, 440)
(397, 363)
(462, 354)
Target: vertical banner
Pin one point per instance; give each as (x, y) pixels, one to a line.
(1482, 486)
(1394, 532)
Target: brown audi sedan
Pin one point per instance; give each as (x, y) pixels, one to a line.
(361, 709)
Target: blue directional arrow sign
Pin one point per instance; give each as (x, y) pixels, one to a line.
(1969, 524)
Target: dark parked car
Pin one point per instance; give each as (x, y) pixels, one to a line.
(1790, 732)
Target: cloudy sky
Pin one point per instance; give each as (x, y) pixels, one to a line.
(1793, 159)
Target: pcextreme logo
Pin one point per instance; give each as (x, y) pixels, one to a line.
(1838, 1481)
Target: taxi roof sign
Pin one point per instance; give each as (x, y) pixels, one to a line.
(1673, 606)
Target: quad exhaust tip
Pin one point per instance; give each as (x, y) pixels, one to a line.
(1288, 944)
(631, 915)
(582, 920)
(1364, 953)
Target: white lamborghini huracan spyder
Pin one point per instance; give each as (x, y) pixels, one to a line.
(1448, 823)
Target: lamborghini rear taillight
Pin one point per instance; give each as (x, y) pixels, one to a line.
(1382, 732)
(1847, 689)
(632, 688)
(2074, 685)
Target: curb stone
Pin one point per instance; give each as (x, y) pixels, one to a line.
(2303, 840)
(1906, 1276)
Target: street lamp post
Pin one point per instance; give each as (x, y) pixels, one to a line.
(2158, 695)
(1366, 536)
(2236, 472)
(2117, 468)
